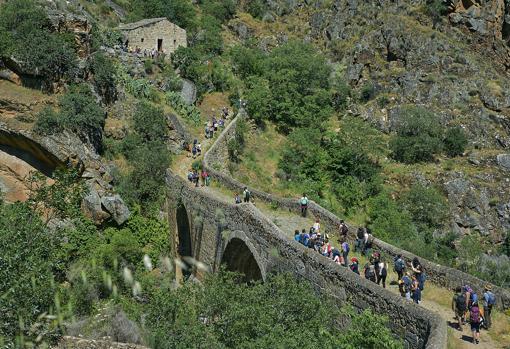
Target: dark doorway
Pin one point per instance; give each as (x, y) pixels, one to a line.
(160, 45)
(184, 248)
(238, 257)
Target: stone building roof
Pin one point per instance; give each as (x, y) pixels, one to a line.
(142, 23)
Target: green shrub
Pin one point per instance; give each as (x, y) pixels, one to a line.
(419, 136)
(341, 94)
(367, 92)
(426, 205)
(246, 61)
(78, 112)
(223, 10)
(256, 8)
(50, 54)
(185, 110)
(103, 71)
(180, 12)
(149, 123)
(455, 141)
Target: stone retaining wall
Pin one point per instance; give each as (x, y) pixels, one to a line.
(68, 342)
(419, 327)
(442, 276)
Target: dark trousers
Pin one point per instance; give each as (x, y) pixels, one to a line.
(383, 279)
(487, 312)
(345, 255)
(400, 274)
(304, 208)
(246, 199)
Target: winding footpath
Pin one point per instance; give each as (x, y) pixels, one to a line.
(436, 300)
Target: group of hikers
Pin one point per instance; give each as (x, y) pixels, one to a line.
(466, 305)
(195, 178)
(215, 124)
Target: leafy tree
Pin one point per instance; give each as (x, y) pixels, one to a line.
(304, 158)
(217, 312)
(259, 98)
(26, 265)
(149, 122)
(104, 76)
(180, 12)
(419, 136)
(78, 112)
(246, 61)
(47, 54)
(391, 222)
(298, 80)
(220, 9)
(426, 205)
(455, 141)
(256, 8)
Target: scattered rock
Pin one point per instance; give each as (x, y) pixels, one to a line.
(504, 161)
(117, 208)
(188, 92)
(92, 209)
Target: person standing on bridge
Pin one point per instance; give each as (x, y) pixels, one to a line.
(304, 205)
(246, 195)
(489, 300)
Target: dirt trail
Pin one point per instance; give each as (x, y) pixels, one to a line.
(287, 221)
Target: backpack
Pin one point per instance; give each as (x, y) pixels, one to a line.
(473, 298)
(460, 302)
(344, 229)
(399, 265)
(346, 247)
(474, 315)
(370, 273)
(247, 194)
(492, 298)
(406, 284)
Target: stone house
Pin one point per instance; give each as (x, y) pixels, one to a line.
(153, 33)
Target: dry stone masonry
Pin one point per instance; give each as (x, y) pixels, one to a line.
(154, 34)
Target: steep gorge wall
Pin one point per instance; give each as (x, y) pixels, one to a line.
(214, 222)
(440, 275)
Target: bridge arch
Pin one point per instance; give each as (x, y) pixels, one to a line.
(184, 241)
(240, 255)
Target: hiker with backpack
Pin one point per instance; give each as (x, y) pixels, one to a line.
(369, 272)
(304, 205)
(405, 286)
(489, 300)
(246, 195)
(297, 236)
(475, 320)
(343, 229)
(382, 272)
(375, 258)
(399, 266)
(459, 306)
(345, 250)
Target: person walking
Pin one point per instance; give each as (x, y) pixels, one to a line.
(304, 205)
(405, 286)
(418, 271)
(343, 229)
(360, 239)
(415, 290)
(489, 300)
(345, 250)
(317, 226)
(382, 273)
(459, 306)
(475, 320)
(354, 266)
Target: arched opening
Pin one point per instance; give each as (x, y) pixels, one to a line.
(184, 248)
(238, 257)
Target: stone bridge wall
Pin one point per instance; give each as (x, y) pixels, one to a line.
(215, 160)
(214, 222)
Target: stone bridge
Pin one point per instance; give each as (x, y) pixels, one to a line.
(213, 230)
(216, 232)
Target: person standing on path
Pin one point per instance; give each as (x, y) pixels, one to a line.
(304, 205)
(400, 266)
(246, 195)
(459, 306)
(345, 251)
(418, 271)
(489, 300)
(317, 226)
(383, 272)
(343, 228)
